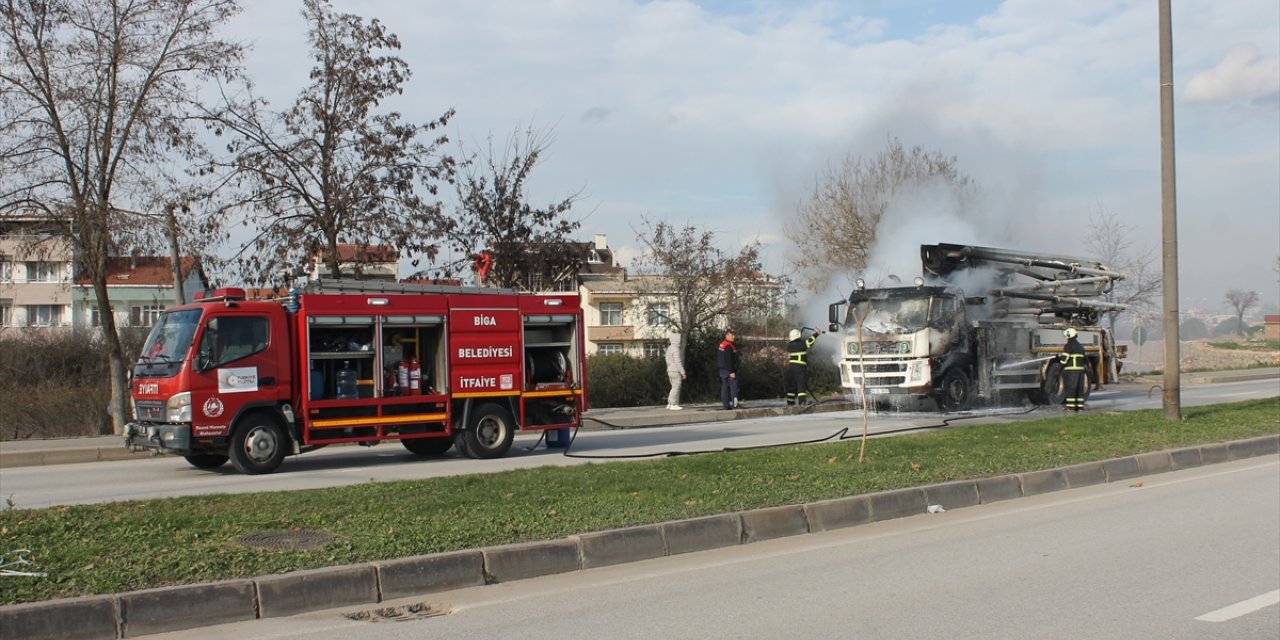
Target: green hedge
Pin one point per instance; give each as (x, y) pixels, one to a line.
(56, 383)
(626, 381)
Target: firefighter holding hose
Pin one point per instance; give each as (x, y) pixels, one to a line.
(1074, 371)
(797, 385)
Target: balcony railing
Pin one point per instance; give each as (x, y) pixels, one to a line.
(612, 333)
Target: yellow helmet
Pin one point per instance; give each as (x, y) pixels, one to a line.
(1069, 333)
(794, 335)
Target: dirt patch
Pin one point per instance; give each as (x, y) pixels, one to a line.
(1200, 356)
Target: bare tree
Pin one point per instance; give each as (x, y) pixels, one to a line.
(330, 170)
(709, 286)
(95, 96)
(835, 227)
(1241, 302)
(1112, 243)
(526, 245)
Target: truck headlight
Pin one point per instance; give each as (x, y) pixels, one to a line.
(853, 348)
(904, 347)
(915, 371)
(178, 408)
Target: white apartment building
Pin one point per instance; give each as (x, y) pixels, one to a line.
(629, 314)
(35, 275)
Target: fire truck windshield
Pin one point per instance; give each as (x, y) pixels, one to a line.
(167, 345)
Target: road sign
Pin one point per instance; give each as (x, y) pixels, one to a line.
(1139, 335)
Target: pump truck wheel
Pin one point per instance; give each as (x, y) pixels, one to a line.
(258, 444)
(206, 460)
(955, 392)
(428, 446)
(491, 432)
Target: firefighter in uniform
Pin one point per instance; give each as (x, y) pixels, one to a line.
(797, 386)
(1074, 371)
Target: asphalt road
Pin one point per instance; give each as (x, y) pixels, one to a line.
(43, 486)
(1191, 554)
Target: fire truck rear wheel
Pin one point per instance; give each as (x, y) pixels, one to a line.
(491, 432)
(428, 446)
(206, 460)
(258, 444)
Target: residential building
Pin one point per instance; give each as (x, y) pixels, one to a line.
(35, 274)
(630, 314)
(625, 315)
(365, 262)
(139, 288)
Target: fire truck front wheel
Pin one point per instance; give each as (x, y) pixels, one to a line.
(258, 444)
(491, 432)
(206, 460)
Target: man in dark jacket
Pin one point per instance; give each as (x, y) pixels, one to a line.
(727, 363)
(797, 384)
(1074, 371)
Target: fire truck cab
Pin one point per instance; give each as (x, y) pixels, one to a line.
(249, 381)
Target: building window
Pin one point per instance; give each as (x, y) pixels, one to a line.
(144, 315)
(654, 349)
(44, 315)
(611, 314)
(658, 314)
(44, 272)
(610, 348)
(6, 269)
(534, 282)
(6, 313)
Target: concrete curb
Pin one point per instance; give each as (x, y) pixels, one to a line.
(73, 455)
(174, 608)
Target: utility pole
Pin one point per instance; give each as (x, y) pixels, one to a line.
(1169, 216)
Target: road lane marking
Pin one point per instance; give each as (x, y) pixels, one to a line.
(1242, 608)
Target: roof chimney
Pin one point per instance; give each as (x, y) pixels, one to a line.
(602, 242)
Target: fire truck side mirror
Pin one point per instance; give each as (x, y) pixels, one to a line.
(833, 327)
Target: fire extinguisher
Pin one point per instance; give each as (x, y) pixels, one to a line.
(402, 376)
(415, 377)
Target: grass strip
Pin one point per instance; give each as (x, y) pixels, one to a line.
(124, 546)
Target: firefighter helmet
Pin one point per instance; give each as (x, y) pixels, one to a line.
(794, 335)
(1069, 333)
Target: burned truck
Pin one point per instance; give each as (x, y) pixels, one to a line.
(982, 326)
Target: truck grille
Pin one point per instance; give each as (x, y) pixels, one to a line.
(150, 410)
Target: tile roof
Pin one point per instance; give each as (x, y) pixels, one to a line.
(142, 271)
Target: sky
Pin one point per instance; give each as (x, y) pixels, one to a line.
(722, 114)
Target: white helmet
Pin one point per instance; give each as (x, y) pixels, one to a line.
(794, 335)
(1069, 333)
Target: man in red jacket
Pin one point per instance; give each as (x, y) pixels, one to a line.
(727, 362)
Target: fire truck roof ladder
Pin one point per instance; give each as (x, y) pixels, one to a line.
(347, 285)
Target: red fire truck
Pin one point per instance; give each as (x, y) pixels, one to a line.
(253, 381)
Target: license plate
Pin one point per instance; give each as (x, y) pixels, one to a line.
(878, 392)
